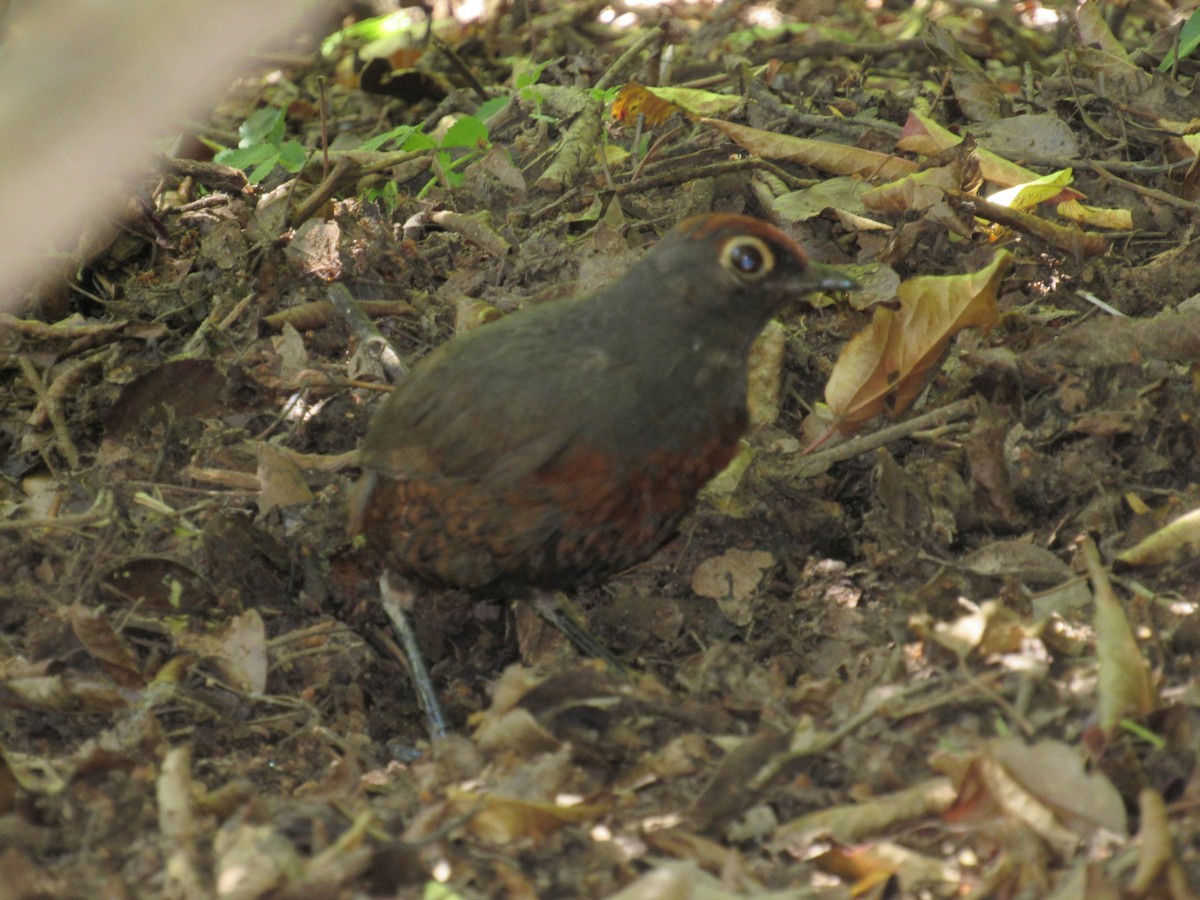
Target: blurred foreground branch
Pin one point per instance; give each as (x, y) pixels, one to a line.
(86, 88)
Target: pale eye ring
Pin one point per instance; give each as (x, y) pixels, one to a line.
(748, 257)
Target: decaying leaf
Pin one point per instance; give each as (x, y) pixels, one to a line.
(656, 104)
(925, 136)
(1043, 787)
(886, 366)
(1178, 540)
(637, 100)
(1027, 195)
(1124, 687)
(839, 159)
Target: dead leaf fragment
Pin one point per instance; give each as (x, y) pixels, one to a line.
(281, 483)
(732, 579)
(1054, 771)
(1177, 541)
(502, 820)
(826, 156)
(239, 651)
(1124, 687)
(858, 822)
(1042, 786)
(886, 366)
(636, 100)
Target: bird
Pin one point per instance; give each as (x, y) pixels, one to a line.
(563, 444)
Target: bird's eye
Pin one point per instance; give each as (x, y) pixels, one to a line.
(747, 257)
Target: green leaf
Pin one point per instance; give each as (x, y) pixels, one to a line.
(532, 75)
(246, 158)
(399, 134)
(467, 132)
(387, 196)
(1189, 40)
(371, 30)
(418, 141)
(257, 174)
(489, 108)
(292, 156)
(264, 126)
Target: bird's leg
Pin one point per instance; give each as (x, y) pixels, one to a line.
(397, 599)
(555, 608)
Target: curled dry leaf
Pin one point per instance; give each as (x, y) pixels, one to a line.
(656, 104)
(1124, 686)
(858, 822)
(838, 159)
(766, 375)
(925, 136)
(1027, 195)
(1156, 849)
(238, 650)
(1096, 217)
(917, 191)
(1043, 787)
(502, 820)
(1054, 773)
(1177, 541)
(886, 366)
(636, 100)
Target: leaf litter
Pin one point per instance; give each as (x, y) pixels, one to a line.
(888, 676)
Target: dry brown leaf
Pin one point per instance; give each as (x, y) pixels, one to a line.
(239, 651)
(859, 822)
(1124, 687)
(992, 628)
(1177, 541)
(94, 630)
(918, 191)
(886, 366)
(281, 483)
(733, 579)
(635, 100)
(925, 136)
(838, 159)
(501, 820)
(1160, 871)
(766, 374)
(991, 793)
(1054, 774)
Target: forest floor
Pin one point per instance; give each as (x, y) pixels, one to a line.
(950, 652)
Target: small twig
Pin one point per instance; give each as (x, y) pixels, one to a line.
(709, 170)
(463, 69)
(654, 148)
(1067, 239)
(98, 514)
(474, 230)
(1152, 193)
(324, 128)
(567, 196)
(578, 145)
(761, 94)
(364, 329)
(51, 401)
(815, 743)
(817, 463)
(325, 190)
(824, 49)
(619, 65)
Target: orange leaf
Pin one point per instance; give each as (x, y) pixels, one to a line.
(886, 366)
(634, 100)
